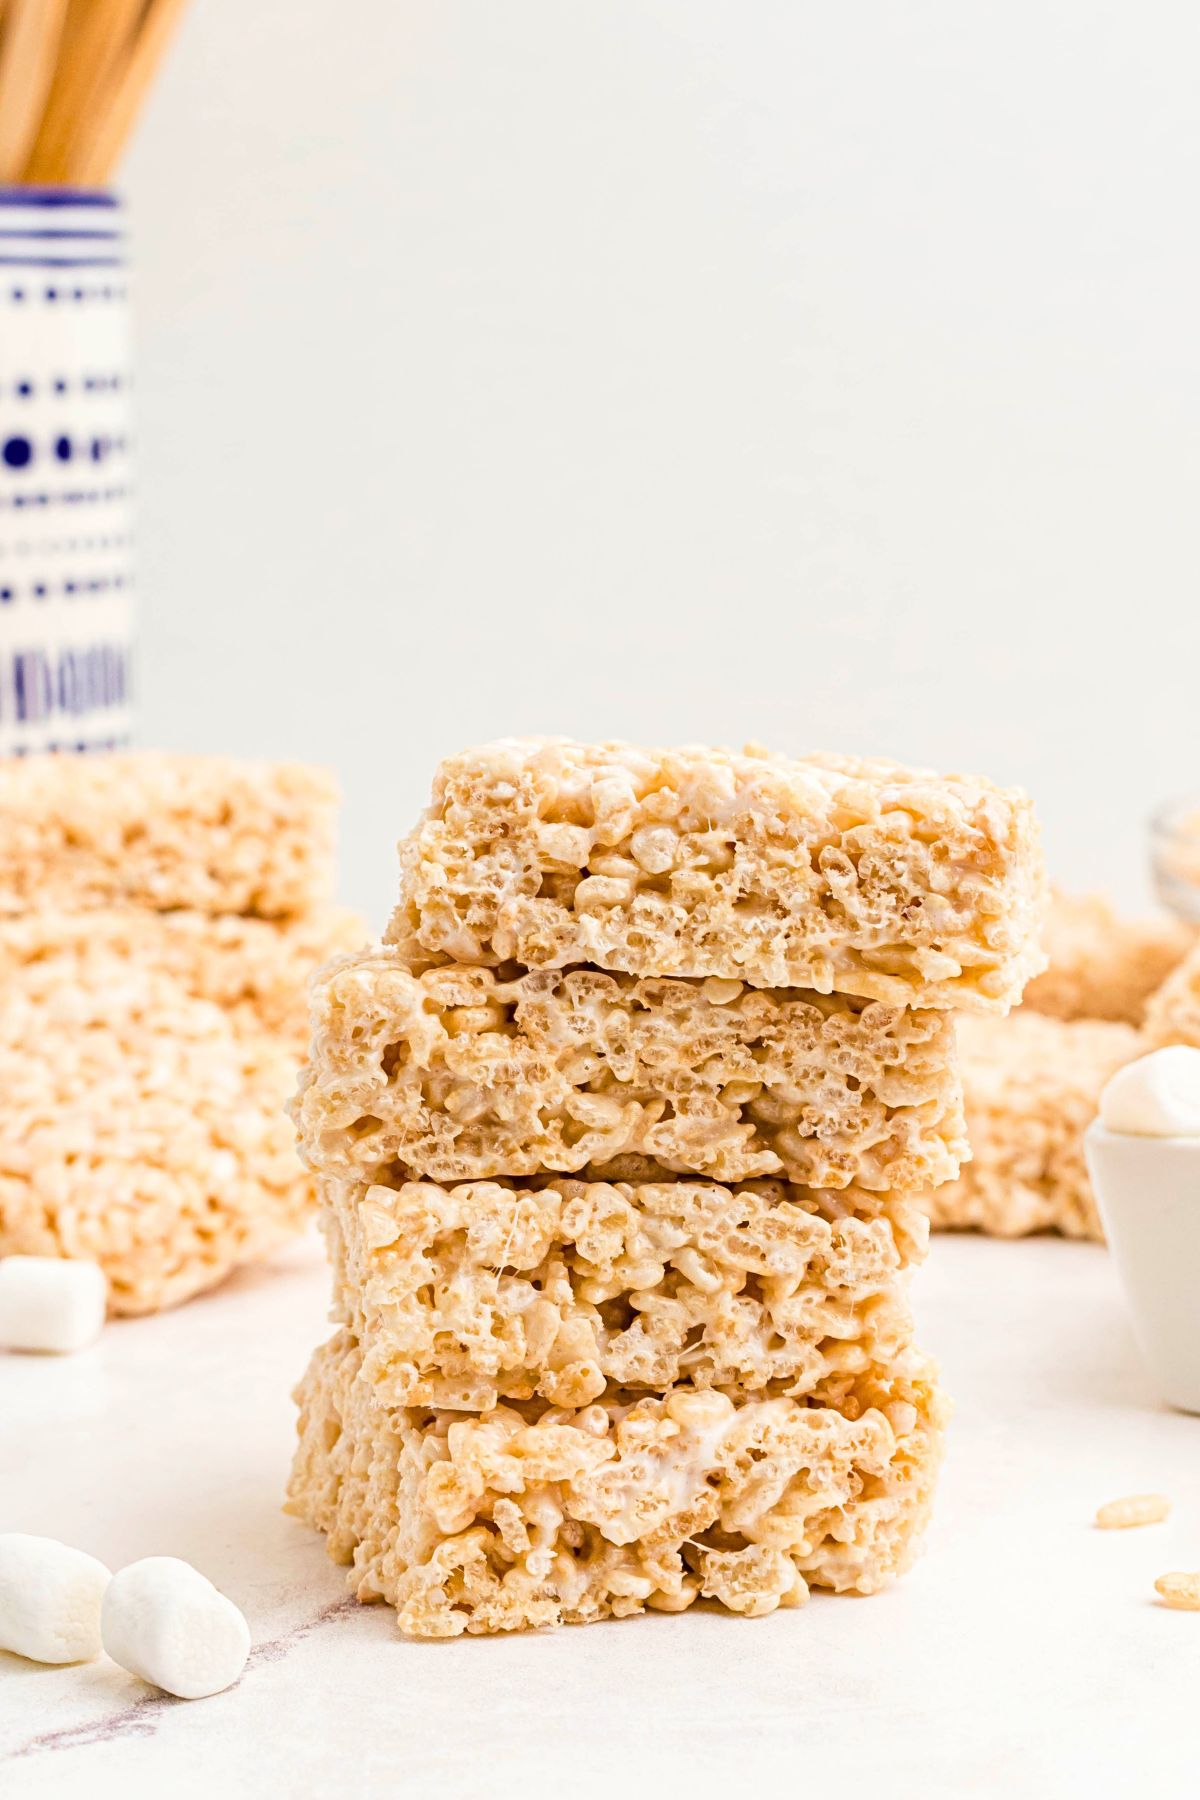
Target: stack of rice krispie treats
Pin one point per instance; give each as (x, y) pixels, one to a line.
(622, 1136)
(159, 919)
(1032, 1082)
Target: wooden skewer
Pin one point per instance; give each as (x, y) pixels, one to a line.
(31, 34)
(96, 40)
(97, 152)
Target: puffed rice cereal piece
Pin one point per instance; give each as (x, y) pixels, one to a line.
(838, 875)
(1133, 1509)
(1180, 1590)
(1032, 1086)
(463, 1296)
(1103, 966)
(159, 830)
(459, 1074)
(536, 1516)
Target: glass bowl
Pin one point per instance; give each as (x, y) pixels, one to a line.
(1175, 857)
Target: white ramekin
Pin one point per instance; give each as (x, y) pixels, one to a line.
(1148, 1192)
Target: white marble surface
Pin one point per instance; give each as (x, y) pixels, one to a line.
(1024, 1655)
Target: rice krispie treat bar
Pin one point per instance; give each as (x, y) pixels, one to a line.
(1173, 1014)
(624, 1140)
(151, 829)
(832, 874)
(1101, 965)
(535, 1516)
(258, 970)
(487, 1291)
(142, 1129)
(1032, 1087)
(459, 1073)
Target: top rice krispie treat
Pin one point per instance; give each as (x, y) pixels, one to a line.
(151, 829)
(832, 874)
(1101, 965)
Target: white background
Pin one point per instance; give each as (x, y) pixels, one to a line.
(677, 369)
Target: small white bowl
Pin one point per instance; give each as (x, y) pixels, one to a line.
(1148, 1192)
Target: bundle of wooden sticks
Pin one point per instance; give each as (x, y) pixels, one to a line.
(73, 77)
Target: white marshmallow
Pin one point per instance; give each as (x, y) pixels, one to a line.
(166, 1622)
(50, 1598)
(50, 1303)
(1156, 1096)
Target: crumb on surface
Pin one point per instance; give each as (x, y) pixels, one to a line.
(1133, 1509)
(1180, 1590)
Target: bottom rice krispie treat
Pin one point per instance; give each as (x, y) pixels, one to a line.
(141, 1127)
(1101, 965)
(533, 1515)
(1032, 1086)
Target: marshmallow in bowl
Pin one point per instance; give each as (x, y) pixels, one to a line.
(50, 1303)
(166, 1622)
(1156, 1096)
(50, 1599)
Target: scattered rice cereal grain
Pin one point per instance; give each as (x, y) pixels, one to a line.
(1180, 1589)
(1133, 1509)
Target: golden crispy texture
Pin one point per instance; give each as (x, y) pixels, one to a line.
(458, 1074)
(463, 1296)
(832, 874)
(1032, 1087)
(1101, 965)
(536, 1516)
(258, 970)
(150, 829)
(141, 1128)
(1173, 1015)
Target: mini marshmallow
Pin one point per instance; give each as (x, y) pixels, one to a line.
(166, 1622)
(50, 1599)
(50, 1303)
(1156, 1096)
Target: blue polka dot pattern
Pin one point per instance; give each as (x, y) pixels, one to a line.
(65, 492)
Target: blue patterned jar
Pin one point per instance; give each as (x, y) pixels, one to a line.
(65, 474)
